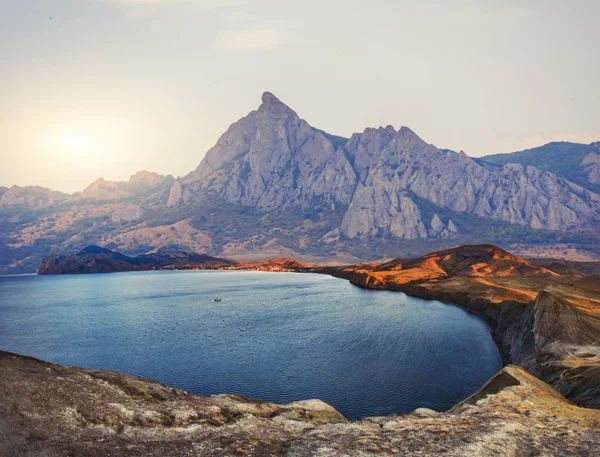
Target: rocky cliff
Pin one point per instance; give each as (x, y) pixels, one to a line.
(272, 159)
(51, 410)
(541, 320)
(578, 163)
(34, 197)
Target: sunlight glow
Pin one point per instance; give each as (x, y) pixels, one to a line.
(78, 143)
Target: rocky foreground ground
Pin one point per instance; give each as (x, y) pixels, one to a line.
(51, 410)
(545, 320)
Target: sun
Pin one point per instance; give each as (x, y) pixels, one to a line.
(78, 143)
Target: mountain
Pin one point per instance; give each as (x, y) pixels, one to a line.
(34, 197)
(578, 163)
(273, 160)
(95, 259)
(139, 184)
(275, 186)
(405, 163)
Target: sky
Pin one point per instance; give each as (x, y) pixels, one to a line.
(105, 88)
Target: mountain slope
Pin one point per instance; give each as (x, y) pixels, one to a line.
(34, 197)
(514, 194)
(273, 160)
(273, 185)
(95, 259)
(578, 163)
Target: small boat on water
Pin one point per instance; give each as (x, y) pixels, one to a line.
(217, 299)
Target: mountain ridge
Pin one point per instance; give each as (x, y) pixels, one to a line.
(96, 259)
(274, 183)
(578, 163)
(272, 159)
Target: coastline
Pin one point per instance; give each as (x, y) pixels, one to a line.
(97, 412)
(514, 328)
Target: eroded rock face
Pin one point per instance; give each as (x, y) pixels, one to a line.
(450, 180)
(139, 183)
(33, 197)
(271, 160)
(451, 227)
(439, 230)
(383, 210)
(591, 165)
(178, 194)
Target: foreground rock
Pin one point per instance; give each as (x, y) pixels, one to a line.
(95, 259)
(51, 410)
(546, 322)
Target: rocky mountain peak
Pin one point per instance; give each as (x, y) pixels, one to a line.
(405, 131)
(34, 196)
(370, 132)
(94, 249)
(268, 97)
(272, 159)
(98, 182)
(270, 103)
(147, 178)
(270, 130)
(437, 224)
(407, 136)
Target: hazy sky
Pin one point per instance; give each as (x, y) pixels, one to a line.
(92, 88)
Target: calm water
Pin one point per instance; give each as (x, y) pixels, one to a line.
(275, 336)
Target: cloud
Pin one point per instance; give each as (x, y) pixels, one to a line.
(474, 15)
(248, 39)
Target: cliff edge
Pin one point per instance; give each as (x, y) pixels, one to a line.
(52, 410)
(544, 321)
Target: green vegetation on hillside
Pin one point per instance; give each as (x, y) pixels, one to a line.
(561, 158)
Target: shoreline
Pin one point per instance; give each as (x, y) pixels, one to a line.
(515, 331)
(506, 296)
(98, 413)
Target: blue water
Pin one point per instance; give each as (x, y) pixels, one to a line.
(275, 336)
